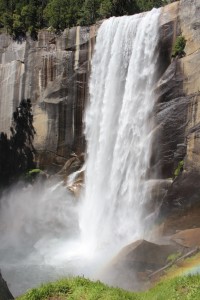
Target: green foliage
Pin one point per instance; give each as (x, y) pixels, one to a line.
(145, 5)
(61, 14)
(31, 175)
(17, 152)
(179, 168)
(173, 257)
(34, 171)
(105, 9)
(184, 288)
(179, 46)
(21, 16)
(89, 12)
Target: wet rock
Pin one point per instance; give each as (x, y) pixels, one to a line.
(171, 118)
(72, 165)
(73, 174)
(183, 194)
(5, 294)
(177, 114)
(77, 185)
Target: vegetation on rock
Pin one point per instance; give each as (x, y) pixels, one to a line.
(179, 168)
(179, 46)
(21, 16)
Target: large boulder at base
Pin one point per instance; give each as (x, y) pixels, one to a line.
(5, 294)
(131, 267)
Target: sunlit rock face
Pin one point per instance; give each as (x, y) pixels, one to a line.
(178, 91)
(178, 114)
(190, 65)
(53, 72)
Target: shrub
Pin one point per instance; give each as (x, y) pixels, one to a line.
(179, 168)
(179, 46)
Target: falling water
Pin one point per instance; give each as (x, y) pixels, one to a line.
(118, 130)
(44, 227)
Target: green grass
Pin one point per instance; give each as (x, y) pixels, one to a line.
(178, 288)
(79, 288)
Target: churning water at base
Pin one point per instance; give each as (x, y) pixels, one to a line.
(44, 231)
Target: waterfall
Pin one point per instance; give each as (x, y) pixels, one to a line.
(44, 231)
(118, 130)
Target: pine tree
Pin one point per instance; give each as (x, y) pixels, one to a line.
(17, 153)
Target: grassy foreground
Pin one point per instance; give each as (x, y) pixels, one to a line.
(79, 288)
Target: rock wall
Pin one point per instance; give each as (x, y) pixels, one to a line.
(53, 72)
(5, 294)
(178, 113)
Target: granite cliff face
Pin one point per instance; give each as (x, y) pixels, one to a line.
(53, 72)
(177, 112)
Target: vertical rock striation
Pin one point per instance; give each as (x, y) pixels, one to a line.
(53, 72)
(178, 112)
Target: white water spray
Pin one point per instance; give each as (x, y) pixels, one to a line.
(46, 226)
(118, 130)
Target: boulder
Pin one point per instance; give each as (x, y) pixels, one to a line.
(134, 263)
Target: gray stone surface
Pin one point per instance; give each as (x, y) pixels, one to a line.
(178, 114)
(53, 72)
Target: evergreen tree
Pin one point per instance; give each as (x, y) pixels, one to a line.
(17, 153)
(21, 16)
(90, 12)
